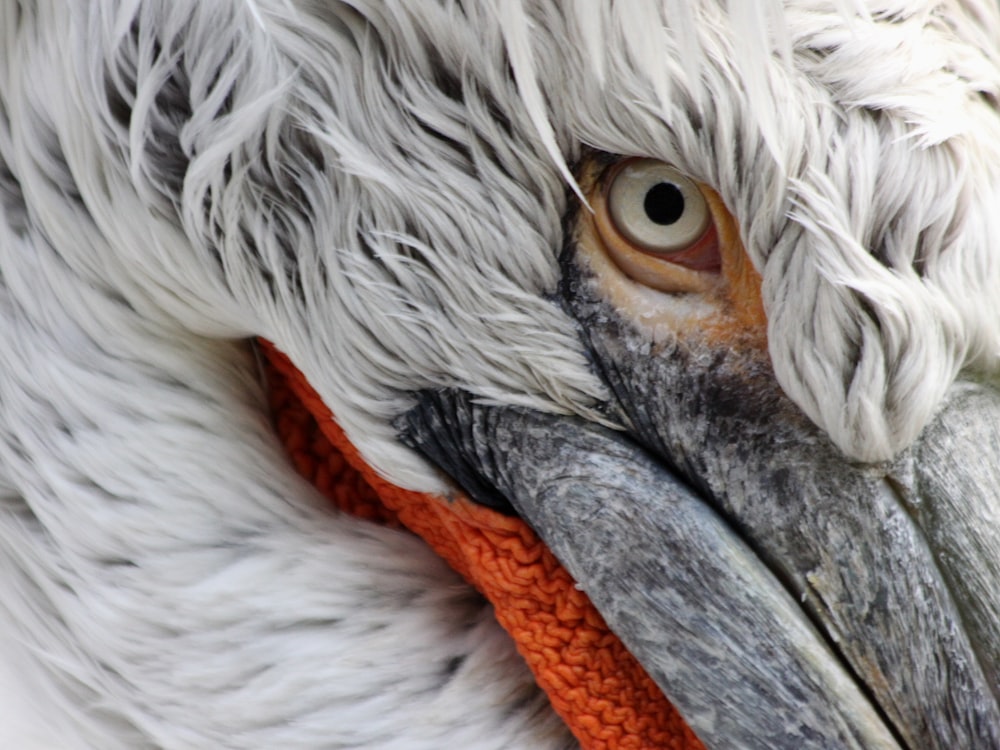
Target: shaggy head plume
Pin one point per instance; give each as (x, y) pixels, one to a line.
(401, 231)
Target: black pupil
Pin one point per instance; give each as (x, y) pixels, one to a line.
(664, 204)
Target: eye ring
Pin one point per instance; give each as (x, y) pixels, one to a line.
(656, 224)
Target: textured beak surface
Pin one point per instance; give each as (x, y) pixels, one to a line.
(780, 595)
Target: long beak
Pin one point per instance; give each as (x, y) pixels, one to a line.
(794, 600)
(781, 596)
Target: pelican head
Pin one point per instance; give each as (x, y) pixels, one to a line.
(706, 293)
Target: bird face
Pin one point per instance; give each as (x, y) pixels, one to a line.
(706, 293)
(721, 522)
(757, 500)
(846, 540)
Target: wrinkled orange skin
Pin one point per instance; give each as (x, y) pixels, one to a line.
(593, 682)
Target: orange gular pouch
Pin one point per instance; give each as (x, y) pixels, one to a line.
(593, 682)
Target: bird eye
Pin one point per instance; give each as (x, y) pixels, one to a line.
(656, 207)
(648, 208)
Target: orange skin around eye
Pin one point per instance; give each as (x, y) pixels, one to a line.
(744, 305)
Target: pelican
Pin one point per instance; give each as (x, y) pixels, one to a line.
(703, 295)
